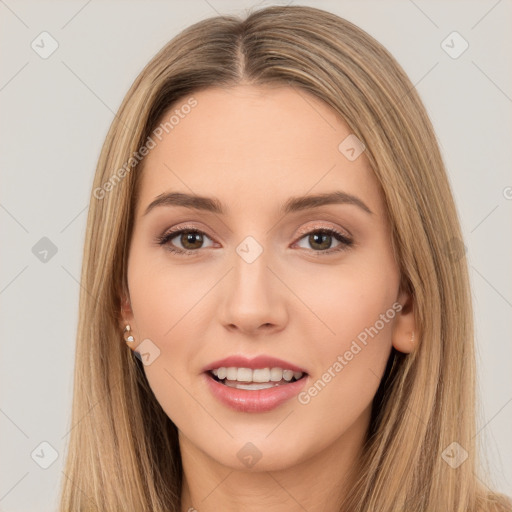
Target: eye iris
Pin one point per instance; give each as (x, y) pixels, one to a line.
(323, 236)
(189, 236)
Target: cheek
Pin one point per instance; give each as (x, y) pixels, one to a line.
(345, 301)
(166, 303)
(352, 343)
(164, 296)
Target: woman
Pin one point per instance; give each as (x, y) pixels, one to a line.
(275, 311)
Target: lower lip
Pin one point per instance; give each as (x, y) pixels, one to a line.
(259, 400)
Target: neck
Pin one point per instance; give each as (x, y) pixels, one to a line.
(318, 483)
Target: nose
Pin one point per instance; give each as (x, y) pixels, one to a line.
(254, 298)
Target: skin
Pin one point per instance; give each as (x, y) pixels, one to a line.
(253, 148)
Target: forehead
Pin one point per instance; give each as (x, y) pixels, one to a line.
(252, 146)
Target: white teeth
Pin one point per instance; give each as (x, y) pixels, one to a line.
(259, 375)
(288, 375)
(276, 374)
(262, 375)
(251, 386)
(232, 373)
(243, 375)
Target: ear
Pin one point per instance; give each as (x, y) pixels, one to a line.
(405, 335)
(126, 313)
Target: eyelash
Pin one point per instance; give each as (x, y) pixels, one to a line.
(164, 240)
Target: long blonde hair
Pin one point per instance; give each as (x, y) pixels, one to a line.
(123, 451)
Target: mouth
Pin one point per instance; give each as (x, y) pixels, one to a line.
(255, 379)
(254, 385)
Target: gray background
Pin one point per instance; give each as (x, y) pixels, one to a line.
(55, 115)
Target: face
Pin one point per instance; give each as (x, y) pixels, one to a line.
(312, 284)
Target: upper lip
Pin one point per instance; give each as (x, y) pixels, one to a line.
(262, 361)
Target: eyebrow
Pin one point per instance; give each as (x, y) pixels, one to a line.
(293, 204)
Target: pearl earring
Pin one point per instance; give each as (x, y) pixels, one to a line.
(127, 334)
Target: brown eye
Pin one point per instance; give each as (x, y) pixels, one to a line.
(320, 240)
(191, 239)
(183, 241)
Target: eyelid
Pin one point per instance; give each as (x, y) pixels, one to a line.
(346, 237)
(185, 227)
(302, 231)
(307, 229)
(346, 242)
(171, 233)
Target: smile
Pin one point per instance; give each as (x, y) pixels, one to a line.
(254, 390)
(255, 379)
